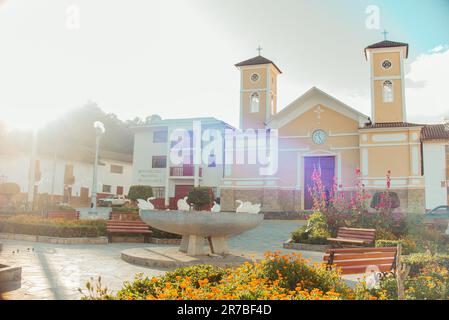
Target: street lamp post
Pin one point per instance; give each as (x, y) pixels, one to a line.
(99, 131)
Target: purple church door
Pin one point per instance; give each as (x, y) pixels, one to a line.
(325, 165)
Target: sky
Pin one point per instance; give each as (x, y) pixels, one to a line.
(176, 58)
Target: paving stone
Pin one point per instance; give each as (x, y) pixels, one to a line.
(56, 271)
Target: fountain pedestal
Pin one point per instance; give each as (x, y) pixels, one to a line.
(197, 246)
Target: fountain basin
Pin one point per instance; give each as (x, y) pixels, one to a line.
(195, 226)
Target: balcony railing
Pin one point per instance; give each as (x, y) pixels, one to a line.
(184, 171)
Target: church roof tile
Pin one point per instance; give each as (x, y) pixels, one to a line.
(391, 125)
(257, 61)
(435, 132)
(388, 44)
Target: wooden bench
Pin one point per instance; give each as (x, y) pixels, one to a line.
(75, 215)
(127, 227)
(350, 236)
(361, 260)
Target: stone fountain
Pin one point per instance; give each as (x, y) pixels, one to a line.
(204, 235)
(196, 226)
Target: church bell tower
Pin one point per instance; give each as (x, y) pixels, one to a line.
(386, 60)
(258, 92)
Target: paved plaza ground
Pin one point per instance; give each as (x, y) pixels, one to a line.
(57, 271)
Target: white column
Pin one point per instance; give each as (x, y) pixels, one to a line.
(167, 171)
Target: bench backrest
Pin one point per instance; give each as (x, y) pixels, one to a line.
(367, 235)
(126, 225)
(362, 260)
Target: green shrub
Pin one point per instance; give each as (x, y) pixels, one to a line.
(211, 273)
(384, 234)
(39, 226)
(140, 192)
(200, 197)
(296, 271)
(379, 197)
(61, 207)
(419, 261)
(142, 287)
(126, 209)
(276, 277)
(316, 232)
(408, 245)
(431, 283)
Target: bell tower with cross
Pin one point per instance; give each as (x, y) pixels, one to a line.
(258, 91)
(386, 59)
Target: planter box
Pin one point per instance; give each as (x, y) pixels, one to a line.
(306, 247)
(10, 278)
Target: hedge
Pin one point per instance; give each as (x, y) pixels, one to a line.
(39, 226)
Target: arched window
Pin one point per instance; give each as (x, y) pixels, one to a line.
(387, 91)
(254, 102)
(273, 111)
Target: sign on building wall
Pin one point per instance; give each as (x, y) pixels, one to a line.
(150, 177)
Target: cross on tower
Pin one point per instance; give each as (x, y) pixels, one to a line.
(385, 33)
(259, 49)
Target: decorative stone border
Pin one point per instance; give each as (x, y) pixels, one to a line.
(99, 240)
(53, 240)
(10, 278)
(305, 247)
(170, 258)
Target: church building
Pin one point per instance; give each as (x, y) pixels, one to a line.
(317, 131)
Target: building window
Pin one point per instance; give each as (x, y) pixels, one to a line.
(116, 169)
(107, 188)
(273, 111)
(254, 102)
(160, 136)
(159, 162)
(212, 161)
(120, 190)
(159, 192)
(387, 91)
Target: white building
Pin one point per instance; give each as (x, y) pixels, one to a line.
(153, 167)
(69, 180)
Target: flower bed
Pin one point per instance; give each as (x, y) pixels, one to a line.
(40, 226)
(275, 278)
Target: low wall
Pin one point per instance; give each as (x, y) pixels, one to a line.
(53, 240)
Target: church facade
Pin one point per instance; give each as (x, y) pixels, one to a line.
(319, 132)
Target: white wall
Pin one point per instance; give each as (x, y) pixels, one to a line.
(435, 173)
(15, 168)
(144, 174)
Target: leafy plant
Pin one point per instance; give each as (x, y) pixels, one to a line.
(200, 197)
(277, 277)
(140, 192)
(316, 232)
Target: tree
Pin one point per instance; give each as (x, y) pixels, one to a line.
(200, 197)
(9, 189)
(140, 192)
